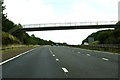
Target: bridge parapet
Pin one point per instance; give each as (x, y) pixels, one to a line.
(68, 24)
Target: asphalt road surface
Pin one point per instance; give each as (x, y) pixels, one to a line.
(62, 62)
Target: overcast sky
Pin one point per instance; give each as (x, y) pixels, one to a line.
(51, 11)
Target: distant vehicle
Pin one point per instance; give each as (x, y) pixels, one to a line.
(57, 44)
(54, 44)
(86, 43)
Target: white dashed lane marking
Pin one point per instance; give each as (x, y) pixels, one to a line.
(57, 59)
(50, 51)
(88, 54)
(65, 70)
(105, 59)
(53, 55)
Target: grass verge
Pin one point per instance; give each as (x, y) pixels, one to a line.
(13, 51)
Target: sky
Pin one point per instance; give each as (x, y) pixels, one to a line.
(56, 11)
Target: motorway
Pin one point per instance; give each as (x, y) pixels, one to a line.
(62, 62)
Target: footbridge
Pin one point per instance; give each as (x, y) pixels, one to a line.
(67, 26)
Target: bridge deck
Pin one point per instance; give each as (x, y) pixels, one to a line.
(69, 27)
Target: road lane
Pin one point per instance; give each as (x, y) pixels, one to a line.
(38, 63)
(82, 66)
(62, 62)
(99, 54)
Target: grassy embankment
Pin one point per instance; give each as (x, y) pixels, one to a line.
(13, 50)
(11, 46)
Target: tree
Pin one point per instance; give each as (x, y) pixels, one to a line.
(106, 36)
(20, 36)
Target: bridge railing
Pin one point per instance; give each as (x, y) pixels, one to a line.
(68, 24)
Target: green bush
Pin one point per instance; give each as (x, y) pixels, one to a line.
(9, 39)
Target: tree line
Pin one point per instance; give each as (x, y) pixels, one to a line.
(110, 36)
(19, 37)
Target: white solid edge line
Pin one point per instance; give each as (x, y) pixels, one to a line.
(15, 57)
(105, 59)
(64, 69)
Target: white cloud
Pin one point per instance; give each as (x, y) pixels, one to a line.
(28, 11)
(86, 12)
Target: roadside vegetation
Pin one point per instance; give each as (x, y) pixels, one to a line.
(15, 42)
(110, 36)
(23, 41)
(9, 39)
(11, 36)
(15, 50)
(104, 40)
